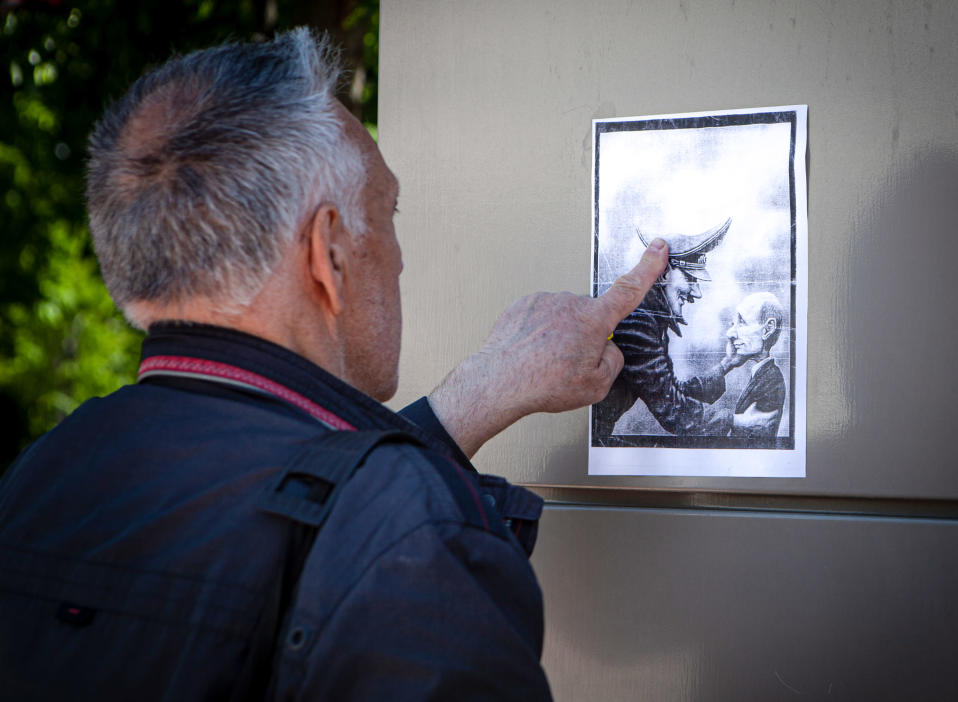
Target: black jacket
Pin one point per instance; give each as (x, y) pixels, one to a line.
(136, 561)
(766, 390)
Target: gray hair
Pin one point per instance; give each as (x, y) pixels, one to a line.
(200, 175)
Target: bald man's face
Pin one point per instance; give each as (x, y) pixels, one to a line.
(372, 322)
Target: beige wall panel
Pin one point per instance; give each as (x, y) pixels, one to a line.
(708, 606)
(485, 115)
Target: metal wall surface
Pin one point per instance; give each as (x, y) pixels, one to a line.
(659, 605)
(485, 115)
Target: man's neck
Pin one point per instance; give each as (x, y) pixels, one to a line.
(261, 318)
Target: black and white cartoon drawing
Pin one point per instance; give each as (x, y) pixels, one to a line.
(726, 191)
(680, 407)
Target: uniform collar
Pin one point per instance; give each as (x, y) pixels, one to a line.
(227, 356)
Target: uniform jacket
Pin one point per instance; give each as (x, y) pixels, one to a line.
(766, 390)
(680, 407)
(136, 562)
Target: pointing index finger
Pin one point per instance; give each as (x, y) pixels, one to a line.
(630, 289)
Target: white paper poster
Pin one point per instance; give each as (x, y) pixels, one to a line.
(714, 381)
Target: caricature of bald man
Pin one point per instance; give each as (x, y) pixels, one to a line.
(755, 329)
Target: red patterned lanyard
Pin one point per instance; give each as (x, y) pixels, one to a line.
(187, 367)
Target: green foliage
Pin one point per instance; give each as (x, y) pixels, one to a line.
(364, 20)
(68, 344)
(61, 340)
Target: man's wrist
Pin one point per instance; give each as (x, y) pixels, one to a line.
(470, 406)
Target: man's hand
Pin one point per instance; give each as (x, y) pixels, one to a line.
(754, 419)
(548, 352)
(732, 358)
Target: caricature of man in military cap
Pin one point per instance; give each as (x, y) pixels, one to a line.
(680, 407)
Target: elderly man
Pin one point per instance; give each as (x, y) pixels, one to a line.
(198, 535)
(680, 407)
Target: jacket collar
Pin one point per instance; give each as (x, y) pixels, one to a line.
(223, 355)
(760, 365)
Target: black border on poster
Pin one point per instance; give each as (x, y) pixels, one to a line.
(699, 122)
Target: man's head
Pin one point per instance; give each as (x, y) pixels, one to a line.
(233, 173)
(756, 325)
(687, 253)
(679, 287)
(205, 169)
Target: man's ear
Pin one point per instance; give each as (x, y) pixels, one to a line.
(328, 260)
(665, 273)
(769, 328)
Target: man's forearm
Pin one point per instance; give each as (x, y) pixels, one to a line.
(548, 352)
(469, 405)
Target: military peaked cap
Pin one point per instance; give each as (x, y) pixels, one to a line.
(687, 251)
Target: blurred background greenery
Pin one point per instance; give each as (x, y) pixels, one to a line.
(61, 340)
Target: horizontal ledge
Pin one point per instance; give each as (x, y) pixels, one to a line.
(907, 508)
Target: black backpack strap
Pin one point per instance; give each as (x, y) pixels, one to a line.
(307, 488)
(303, 492)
